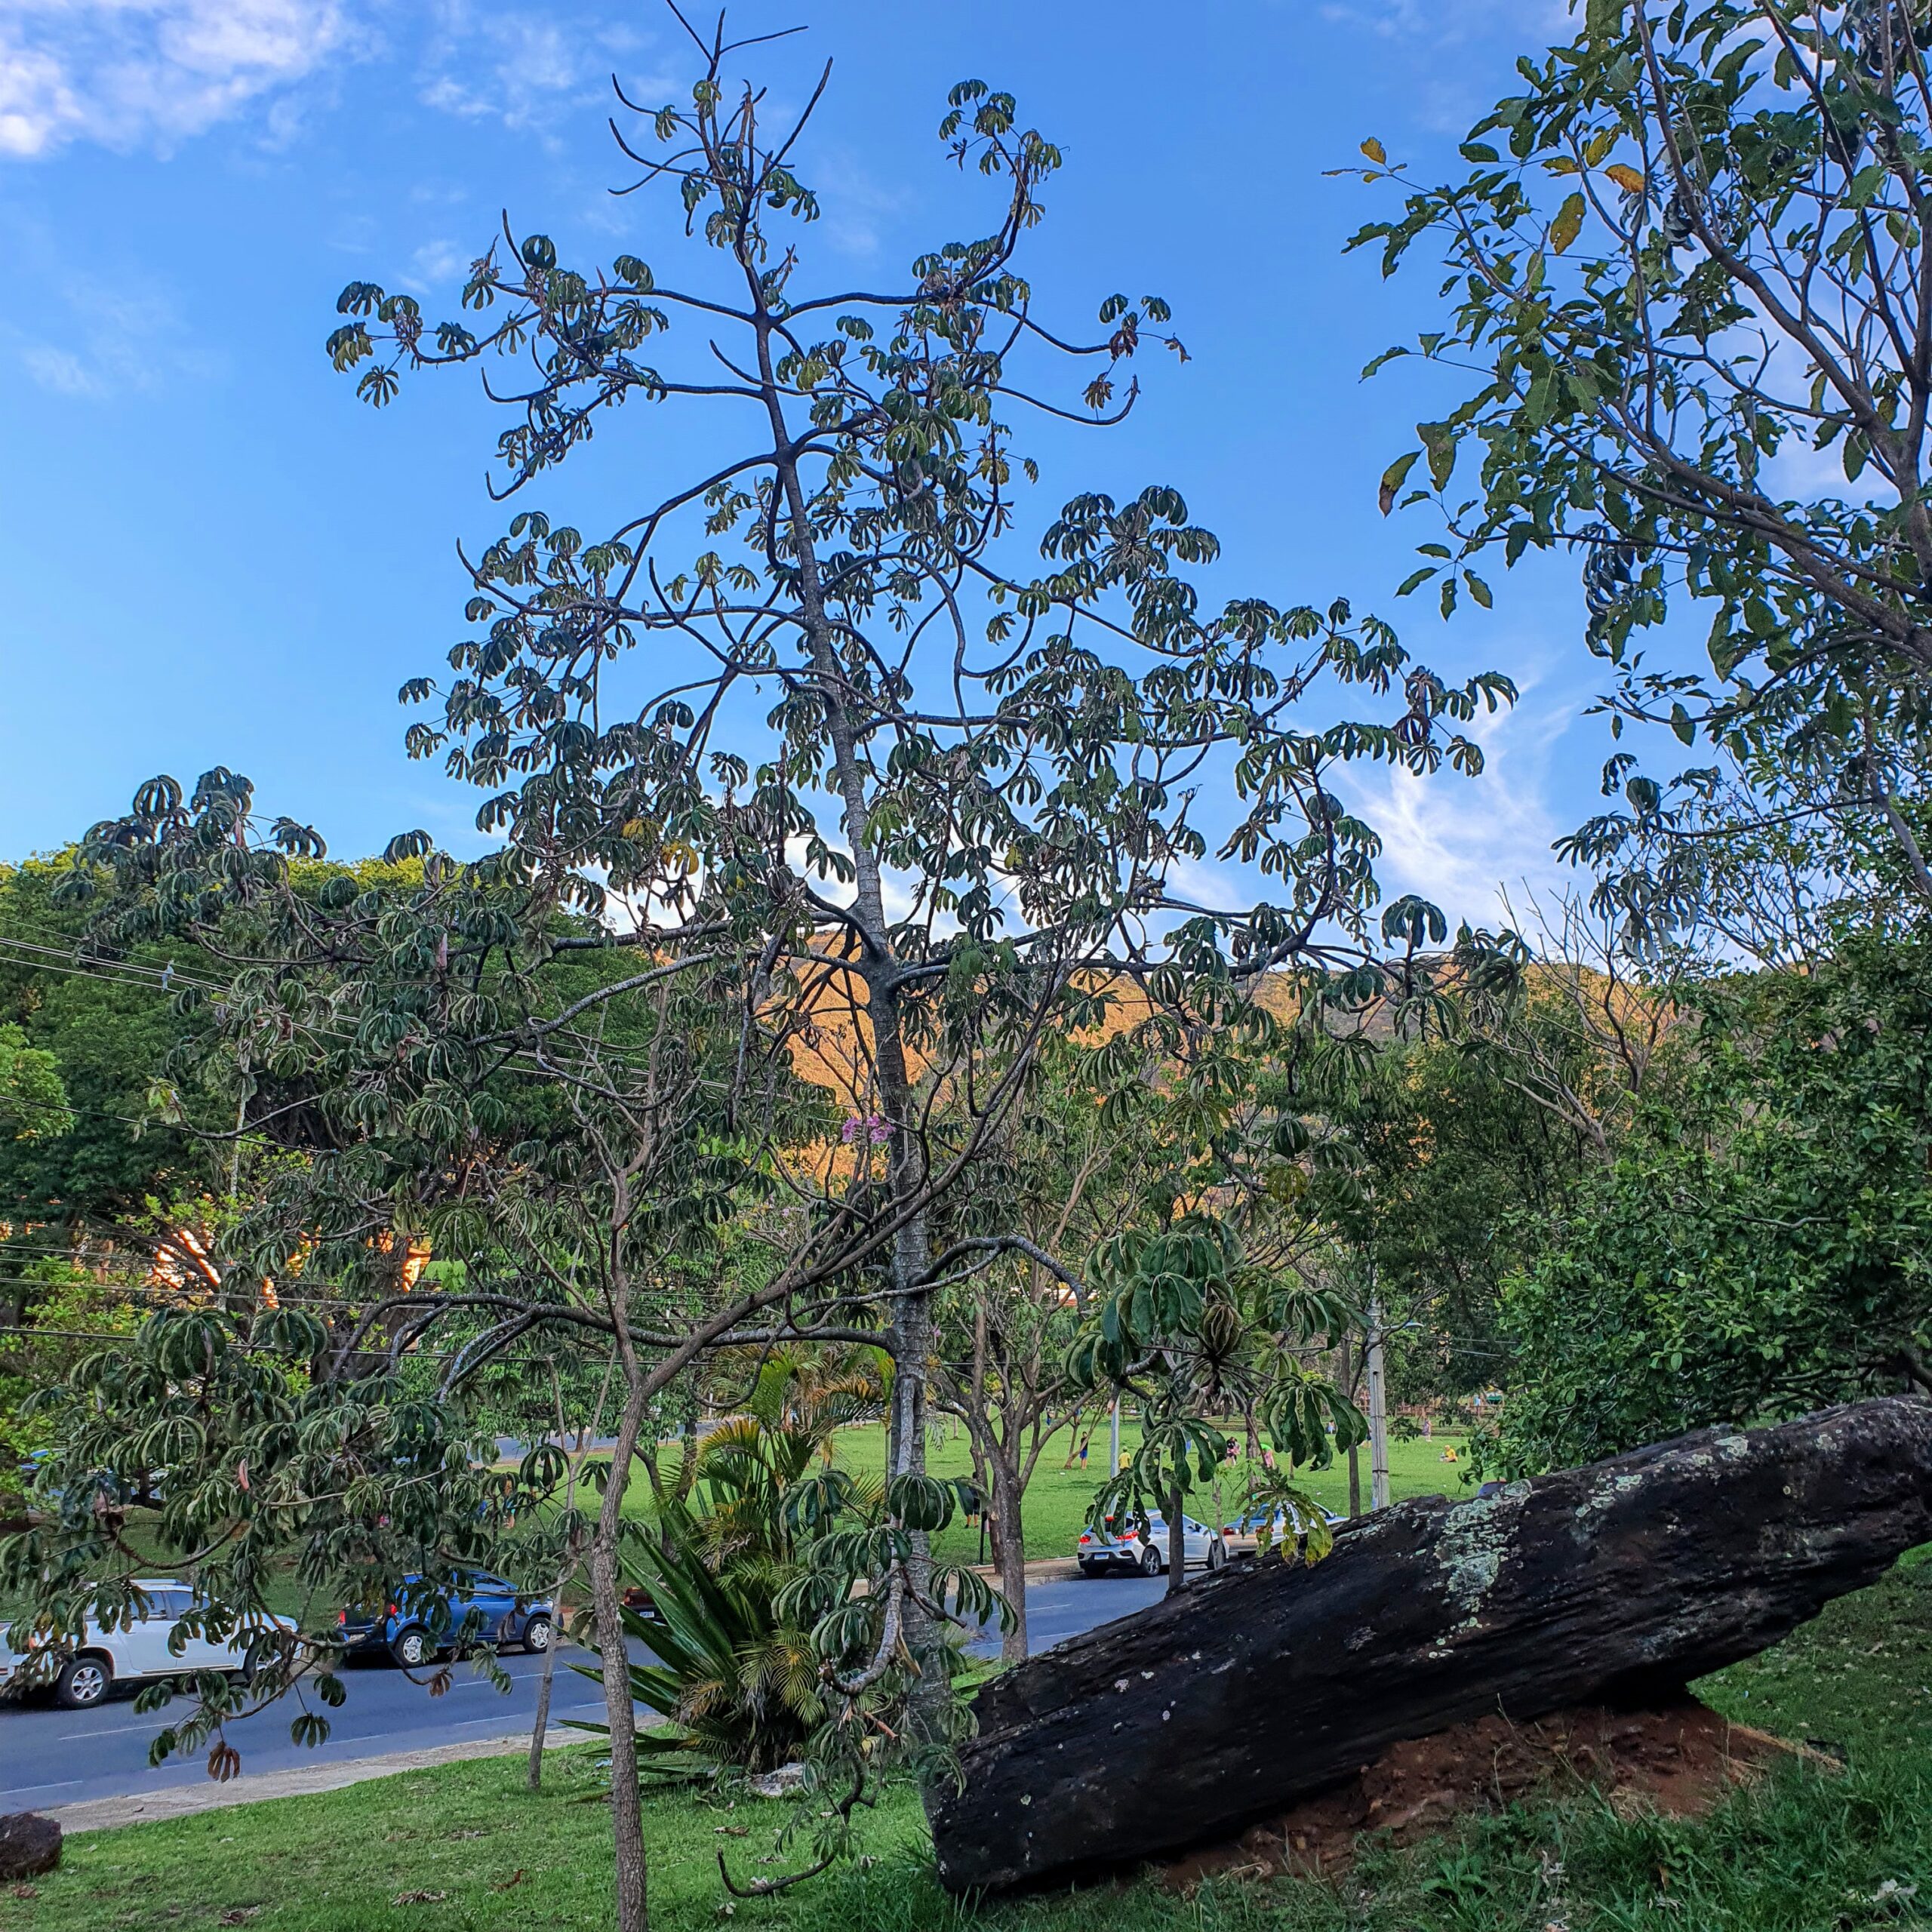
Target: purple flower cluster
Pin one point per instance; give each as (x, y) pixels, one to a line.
(874, 1127)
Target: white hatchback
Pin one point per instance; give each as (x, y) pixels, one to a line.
(138, 1651)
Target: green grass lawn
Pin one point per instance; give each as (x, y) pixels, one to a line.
(1057, 1499)
(466, 1847)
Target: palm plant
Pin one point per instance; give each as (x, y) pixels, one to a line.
(737, 1673)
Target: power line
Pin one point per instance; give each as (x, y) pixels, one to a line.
(527, 1057)
(79, 1107)
(166, 974)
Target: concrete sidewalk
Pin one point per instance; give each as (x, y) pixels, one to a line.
(104, 1814)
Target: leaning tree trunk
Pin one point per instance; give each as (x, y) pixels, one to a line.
(540, 1725)
(546, 1676)
(1618, 1584)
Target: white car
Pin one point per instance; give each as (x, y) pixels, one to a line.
(1101, 1551)
(139, 1651)
(1245, 1534)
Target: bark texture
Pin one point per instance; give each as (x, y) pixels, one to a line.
(29, 1844)
(1270, 1682)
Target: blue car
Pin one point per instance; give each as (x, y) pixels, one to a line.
(419, 1623)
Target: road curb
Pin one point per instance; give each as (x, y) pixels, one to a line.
(107, 1814)
(1039, 1570)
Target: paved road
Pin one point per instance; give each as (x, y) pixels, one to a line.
(49, 1756)
(1057, 1611)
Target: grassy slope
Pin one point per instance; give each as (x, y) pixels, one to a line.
(1057, 1499)
(1805, 1851)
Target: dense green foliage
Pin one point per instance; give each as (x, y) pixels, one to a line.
(1455, 1175)
(108, 1027)
(1758, 1246)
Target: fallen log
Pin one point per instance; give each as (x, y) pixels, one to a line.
(1617, 1584)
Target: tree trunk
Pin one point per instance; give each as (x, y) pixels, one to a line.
(912, 1340)
(1345, 1377)
(1176, 1543)
(606, 1610)
(1378, 1411)
(540, 1724)
(878, 969)
(1007, 1496)
(1618, 1583)
(533, 1776)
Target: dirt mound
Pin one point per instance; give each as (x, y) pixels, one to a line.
(1679, 1761)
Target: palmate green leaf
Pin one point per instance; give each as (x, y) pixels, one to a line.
(377, 386)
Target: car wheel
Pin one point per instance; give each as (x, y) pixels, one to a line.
(412, 1648)
(83, 1682)
(1151, 1565)
(1218, 1553)
(537, 1635)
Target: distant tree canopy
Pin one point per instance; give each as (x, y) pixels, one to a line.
(1455, 1175)
(109, 1028)
(1759, 1246)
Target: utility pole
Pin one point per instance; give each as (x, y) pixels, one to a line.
(1378, 1410)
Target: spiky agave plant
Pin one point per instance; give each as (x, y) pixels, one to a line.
(741, 1679)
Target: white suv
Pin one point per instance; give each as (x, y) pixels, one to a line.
(103, 1657)
(1101, 1551)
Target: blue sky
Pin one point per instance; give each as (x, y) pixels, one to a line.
(214, 554)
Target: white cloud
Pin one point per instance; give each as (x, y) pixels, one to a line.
(141, 73)
(437, 263)
(61, 371)
(523, 67)
(1429, 24)
(858, 207)
(1459, 842)
(115, 339)
(1448, 99)
(1807, 474)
